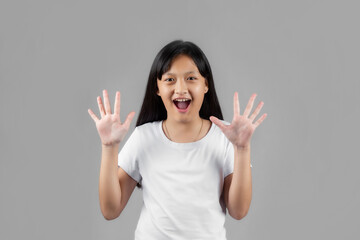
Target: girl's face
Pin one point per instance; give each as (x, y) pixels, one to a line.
(182, 81)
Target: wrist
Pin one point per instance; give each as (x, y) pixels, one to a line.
(242, 148)
(110, 147)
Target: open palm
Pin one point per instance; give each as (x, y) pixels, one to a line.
(241, 129)
(109, 127)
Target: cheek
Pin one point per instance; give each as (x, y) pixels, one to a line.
(199, 89)
(198, 100)
(199, 92)
(166, 97)
(164, 92)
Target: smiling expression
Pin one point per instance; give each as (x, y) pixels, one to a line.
(183, 80)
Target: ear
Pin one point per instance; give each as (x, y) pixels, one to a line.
(206, 86)
(157, 89)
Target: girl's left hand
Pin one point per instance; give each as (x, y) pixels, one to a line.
(240, 130)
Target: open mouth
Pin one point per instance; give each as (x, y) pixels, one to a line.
(182, 105)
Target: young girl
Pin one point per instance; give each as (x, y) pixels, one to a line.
(189, 162)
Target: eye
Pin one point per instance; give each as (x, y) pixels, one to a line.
(168, 79)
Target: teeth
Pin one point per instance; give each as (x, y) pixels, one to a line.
(182, 100)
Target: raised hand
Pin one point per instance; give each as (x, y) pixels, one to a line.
(240, 130)
(109, 127)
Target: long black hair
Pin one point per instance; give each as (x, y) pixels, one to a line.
(153, 108)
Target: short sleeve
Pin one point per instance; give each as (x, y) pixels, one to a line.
(128, 158)
(229, 160)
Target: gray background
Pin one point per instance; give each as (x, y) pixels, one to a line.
(300, 57)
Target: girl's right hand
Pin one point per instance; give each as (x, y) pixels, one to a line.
(109, 127)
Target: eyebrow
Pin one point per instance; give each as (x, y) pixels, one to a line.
(184, 74)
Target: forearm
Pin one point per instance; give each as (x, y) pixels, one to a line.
(109, 186)
(240, 191)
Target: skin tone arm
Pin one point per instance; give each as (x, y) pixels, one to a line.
(111, 133)
(239, 132)
(109, 185)
(240, 191)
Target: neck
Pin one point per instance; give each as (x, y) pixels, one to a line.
(182, 129)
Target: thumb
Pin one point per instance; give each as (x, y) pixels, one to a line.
(217, 122)
(129, 118)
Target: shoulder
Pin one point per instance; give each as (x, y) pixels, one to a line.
(148, 126)
(142, 136)
(149, 129)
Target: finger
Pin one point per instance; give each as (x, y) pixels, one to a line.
(107, 102)
(128, 120)
(217, 122)
(236, 104)
(249, 105)
(101, 107)
(256, 112)
(93, 116)
(260, 120)
(117, 104)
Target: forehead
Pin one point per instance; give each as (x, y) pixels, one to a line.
(186, 73)
(182, 64)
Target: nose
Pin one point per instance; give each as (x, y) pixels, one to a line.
(181, 87)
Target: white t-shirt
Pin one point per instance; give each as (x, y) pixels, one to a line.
(182, 182)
